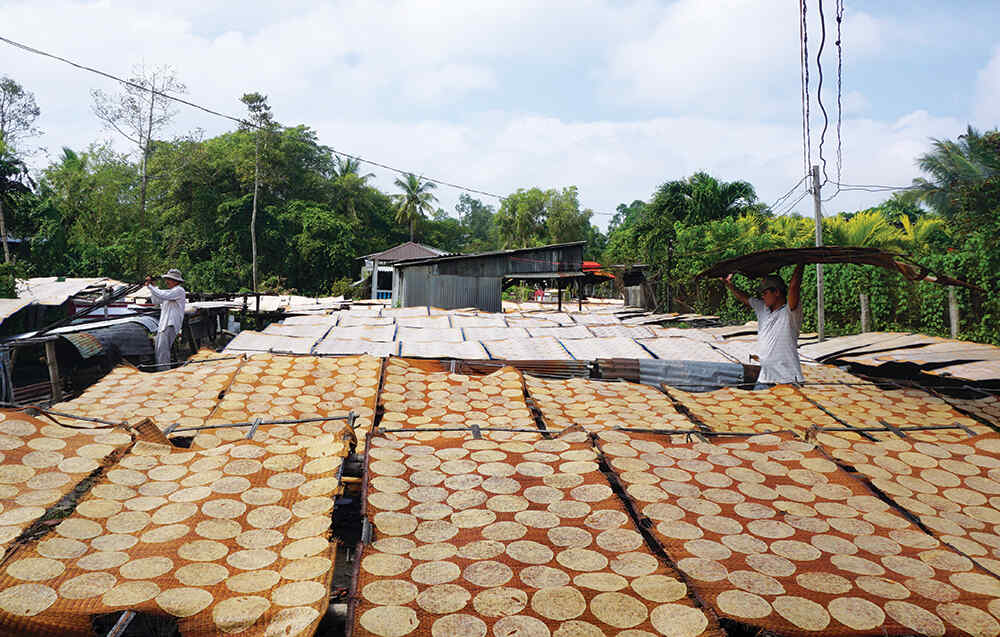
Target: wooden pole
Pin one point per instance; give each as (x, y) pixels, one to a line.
(50, 360)
(953, 312)
(865, 316)
(818, 214)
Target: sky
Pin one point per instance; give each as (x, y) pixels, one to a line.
(614, 97)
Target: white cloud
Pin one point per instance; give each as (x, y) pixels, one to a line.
(426, 86)
(987, 104)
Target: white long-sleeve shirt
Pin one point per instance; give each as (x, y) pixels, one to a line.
(172, 302)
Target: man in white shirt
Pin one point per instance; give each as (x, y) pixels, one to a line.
(172, 302)
(779, 319)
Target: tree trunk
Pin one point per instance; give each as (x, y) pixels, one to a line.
(3, 232)
(413, 227)
(253, 215)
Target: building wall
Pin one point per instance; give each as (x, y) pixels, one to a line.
(424, 285)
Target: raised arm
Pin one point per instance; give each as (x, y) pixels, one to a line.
(795, 288)
(740, 295)
(170, 294)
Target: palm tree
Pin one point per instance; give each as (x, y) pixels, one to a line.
(972, 159)
(918, 237)
(868, 229)
(344, 166)
(415, 202)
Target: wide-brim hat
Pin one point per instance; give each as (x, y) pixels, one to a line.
(173, 273)
(773, 281)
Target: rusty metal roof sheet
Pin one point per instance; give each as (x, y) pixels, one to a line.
(760, 264)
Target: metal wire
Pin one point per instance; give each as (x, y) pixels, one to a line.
(259, 423)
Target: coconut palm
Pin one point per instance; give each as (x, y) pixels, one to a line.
(972, 158)
(344, 166)
(415, 202)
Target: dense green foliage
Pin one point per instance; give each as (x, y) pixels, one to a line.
(316, 214)
(700, 221)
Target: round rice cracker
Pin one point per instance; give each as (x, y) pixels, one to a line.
(146, 567)
(27, 600)
(801, 612)
(390, 592)
(558, 603)
(442, 599)
(389, 621)
(488, 573)
(87, 585)
(236, 614)
(659, 588)
(968, 618)
(253, 581)
(385, 565)
(522, 626)
(917, 619)
(184, 602)
(299, 593)
(743, 604)
(201, 574)
(856, 613)
(458, 625)
(678, 620)
(130, 593)
(500, 601)
(35, 569)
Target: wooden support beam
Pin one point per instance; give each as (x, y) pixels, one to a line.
(53, 364)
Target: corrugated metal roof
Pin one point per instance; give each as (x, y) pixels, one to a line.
(408, 250)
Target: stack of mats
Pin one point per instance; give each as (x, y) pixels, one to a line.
(233, 539)
(414, 396)
(870, 406)
(598, 405)
(952, 488)
(775, 535)
(40, 462)
(986, 408)
(745, 411)
(185, 395)
(508, 534)
(275, 387)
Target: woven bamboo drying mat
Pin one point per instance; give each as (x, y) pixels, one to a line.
(413, 397)
(862, 406)
(185, 395)
(40, 462)
(599, 405)
(230, 540)
(952, 488)
(508, 534)
(275, 387)
(776, 535)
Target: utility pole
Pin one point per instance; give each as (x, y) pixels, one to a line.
(670, 267)
(818, 213)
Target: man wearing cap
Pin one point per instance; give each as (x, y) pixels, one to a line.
(172, 302)
(779, 319)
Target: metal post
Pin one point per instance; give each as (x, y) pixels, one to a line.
(818, 213)
(953, 312)
(865, 316)
(374, 279)
(559, 284)
(579, 290)
(670, 265)
(50, 359)
(105, 297)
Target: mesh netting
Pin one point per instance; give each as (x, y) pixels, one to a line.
(233, 539)
(775, 535)
(510, 534)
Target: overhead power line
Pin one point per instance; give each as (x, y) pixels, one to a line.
(819, 88)
(244, 123)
